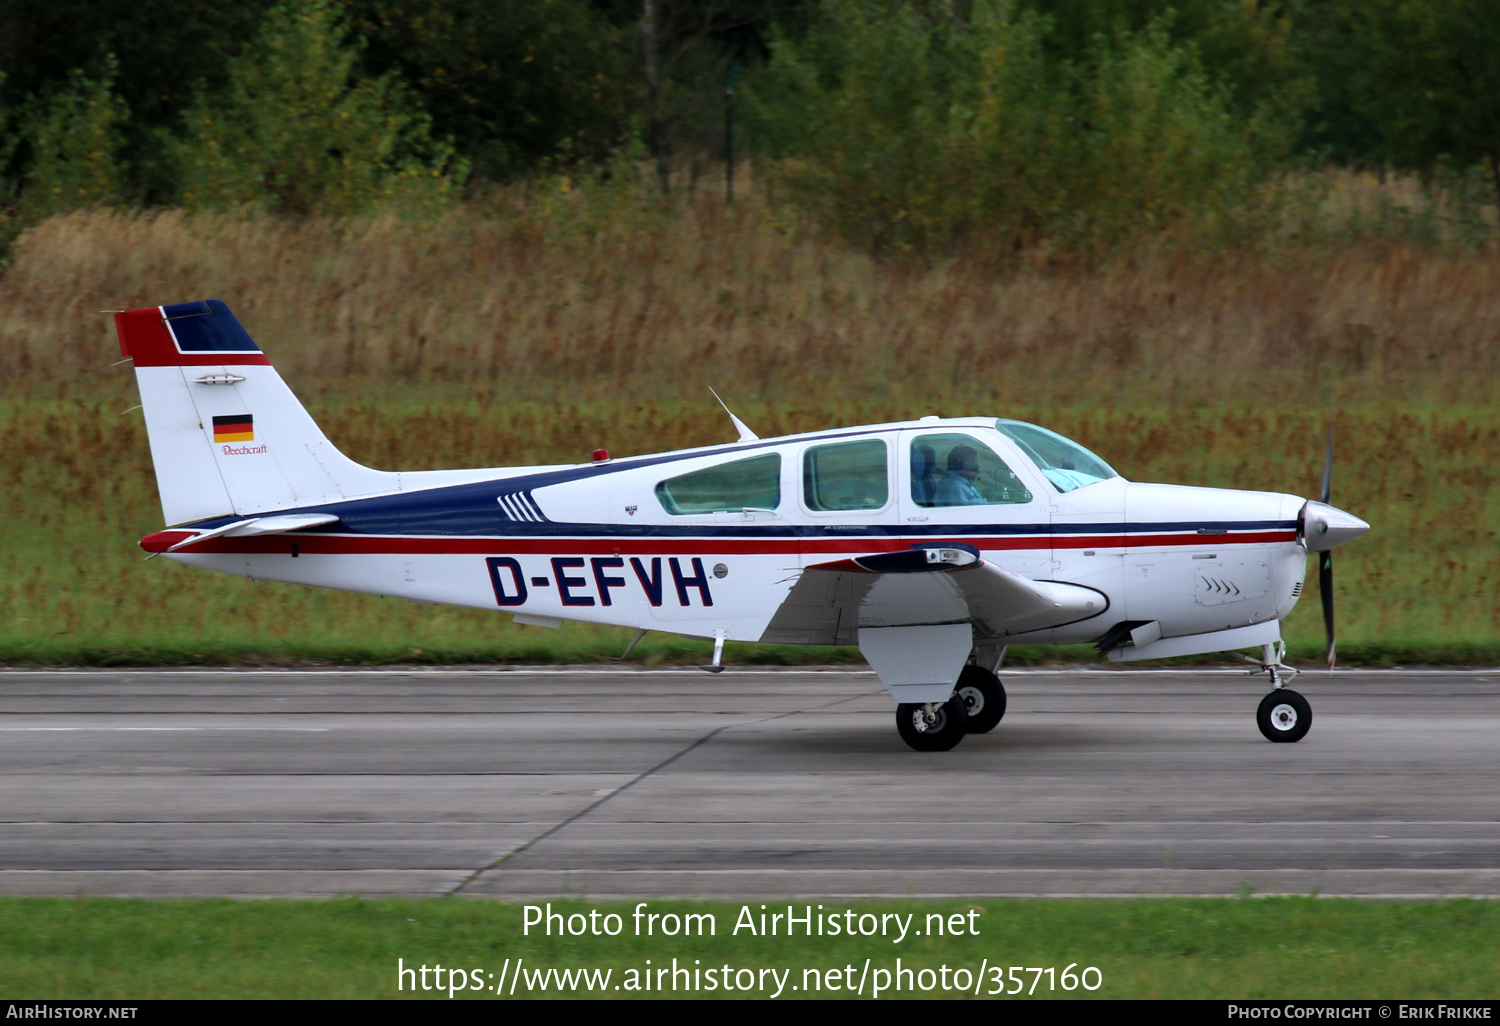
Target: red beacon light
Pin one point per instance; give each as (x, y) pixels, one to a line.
(601, 455)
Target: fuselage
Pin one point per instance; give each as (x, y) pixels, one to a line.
(709, 541)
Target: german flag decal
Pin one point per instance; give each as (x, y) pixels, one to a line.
(239, 428)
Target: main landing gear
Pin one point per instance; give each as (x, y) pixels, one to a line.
(977, 705)
(932, 726)
(983, 693)
(1283, 716)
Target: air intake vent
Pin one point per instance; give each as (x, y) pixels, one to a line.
(1297, 589)
(518, 506)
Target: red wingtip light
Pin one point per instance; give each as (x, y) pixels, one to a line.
(601, 455)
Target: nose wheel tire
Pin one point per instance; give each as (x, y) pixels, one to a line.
(984, 696)
(1284, 716)
(946, 728)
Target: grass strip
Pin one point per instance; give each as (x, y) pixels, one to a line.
(1277, 948)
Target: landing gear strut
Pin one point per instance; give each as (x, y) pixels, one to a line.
(1283, 716)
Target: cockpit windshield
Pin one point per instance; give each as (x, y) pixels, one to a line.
(1065, 463)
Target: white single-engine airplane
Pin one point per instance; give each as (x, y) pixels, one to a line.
(931, 544)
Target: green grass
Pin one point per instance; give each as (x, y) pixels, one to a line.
(1422, 587)
(512, 335)
(1284, 948)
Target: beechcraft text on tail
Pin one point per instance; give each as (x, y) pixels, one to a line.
(931, 544)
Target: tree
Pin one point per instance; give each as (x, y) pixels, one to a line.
(512, 82)
(1428, 76)
(76, 146)
(689, 49)
(923, 124)
(1245, 47)
(155, 52)
(298, 130)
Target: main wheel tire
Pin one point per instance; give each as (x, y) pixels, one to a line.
(984, 695)
(1284, 716)
(945, 731)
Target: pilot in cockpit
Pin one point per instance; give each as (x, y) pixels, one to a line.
(956, 487)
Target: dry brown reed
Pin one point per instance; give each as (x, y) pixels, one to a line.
(521, 308)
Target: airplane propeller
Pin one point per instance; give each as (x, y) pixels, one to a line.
(1321, 528)
(1325, 558)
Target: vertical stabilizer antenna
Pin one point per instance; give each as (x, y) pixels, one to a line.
(746, 435)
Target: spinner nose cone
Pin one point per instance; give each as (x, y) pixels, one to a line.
(1321, 527)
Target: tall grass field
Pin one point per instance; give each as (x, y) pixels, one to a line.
(534, 330)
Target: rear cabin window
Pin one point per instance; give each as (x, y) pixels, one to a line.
(846, 476)
(727, 488)
(960, 470)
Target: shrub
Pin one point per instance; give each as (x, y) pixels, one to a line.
(297, 130)
(76, 142)
(910, 127)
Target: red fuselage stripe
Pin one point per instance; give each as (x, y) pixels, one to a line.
(310, 544)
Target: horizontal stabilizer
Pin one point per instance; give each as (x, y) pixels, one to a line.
(180, 538)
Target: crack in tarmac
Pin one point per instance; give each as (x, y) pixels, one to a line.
(581, 813)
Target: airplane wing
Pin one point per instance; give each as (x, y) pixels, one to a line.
(927, 584)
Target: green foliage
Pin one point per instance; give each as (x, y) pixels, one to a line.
(1159, 145)
(156, 51)
(910, 128)
(883, 122)
(512, 82)
(76, 144)
(298, 130)
(1247, 47)
(1428, 75)
(10, 139)
(1334, 125)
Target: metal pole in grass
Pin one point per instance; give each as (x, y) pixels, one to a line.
(734, 67)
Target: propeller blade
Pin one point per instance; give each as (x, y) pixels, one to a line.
(1328, 462)
(1325, 591)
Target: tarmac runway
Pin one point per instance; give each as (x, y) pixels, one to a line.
(522, 784)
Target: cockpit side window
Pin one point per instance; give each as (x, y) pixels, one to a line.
(846, 476)
(960, 470)
(1065, 463)
(727, 488)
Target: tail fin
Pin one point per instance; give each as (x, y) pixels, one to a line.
(227, 435)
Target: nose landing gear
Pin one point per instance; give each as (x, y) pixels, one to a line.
(1283, 716)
